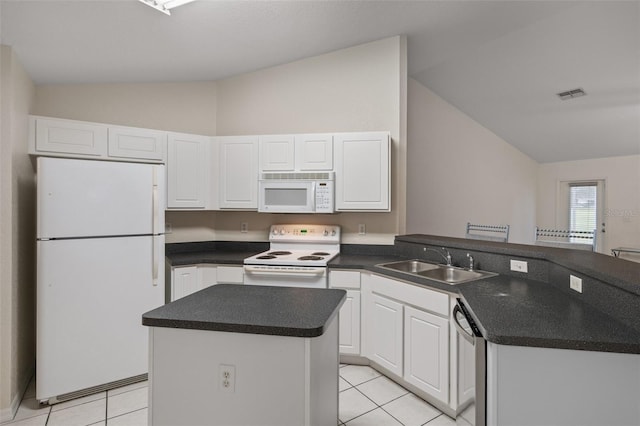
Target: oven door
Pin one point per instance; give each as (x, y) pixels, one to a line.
(286, 276)
(286, 196)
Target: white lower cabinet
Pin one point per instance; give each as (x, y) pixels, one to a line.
(349, 327)
(406, 332)
(426, 352)
(189, 279)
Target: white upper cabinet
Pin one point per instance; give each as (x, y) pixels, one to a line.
(363, 171)
(68, 137)
(306, 152)
(134, 143)
(187, 171)
(277, 152)
(238, 172)
(57, 137)
(314, 152)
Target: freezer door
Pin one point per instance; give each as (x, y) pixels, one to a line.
(83, 198)
(91, 295)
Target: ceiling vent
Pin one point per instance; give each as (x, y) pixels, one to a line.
(570, 94)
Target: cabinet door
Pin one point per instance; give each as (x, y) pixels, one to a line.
(230, 275)
(238, 172)
(207, 276)
(314, 152)
(362, 171)
(184, 282)
(139, 144)
(426, 352)
(384, 335)
(187, 172)
(277, 152)
(70, 137)
(350, 324)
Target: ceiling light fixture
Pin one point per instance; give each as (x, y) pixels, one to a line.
(570, 94)
(165, 6)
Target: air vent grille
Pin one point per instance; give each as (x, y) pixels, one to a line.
(570, 94)
(298, 176)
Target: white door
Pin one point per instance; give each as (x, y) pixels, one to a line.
(84, 198)
(384, 336)
(426, 352)
(91, 295)
(276, 152)
(314, 152)
(362, 171)
(187, 171)
(350, 324)
(238, 172)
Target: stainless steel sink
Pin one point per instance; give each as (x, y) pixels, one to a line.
(442, 273)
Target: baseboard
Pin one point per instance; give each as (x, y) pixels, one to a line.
(9, 413)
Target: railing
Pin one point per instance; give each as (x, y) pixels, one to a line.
(488, 232)
(580, 240)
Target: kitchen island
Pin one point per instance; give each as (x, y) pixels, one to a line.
(240, 355)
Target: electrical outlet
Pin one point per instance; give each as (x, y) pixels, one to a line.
(362, 230)
(519, 266)
(167, 228)
(244, 227)
(575, 283)
(227, 377)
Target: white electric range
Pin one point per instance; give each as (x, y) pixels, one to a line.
(297, 257)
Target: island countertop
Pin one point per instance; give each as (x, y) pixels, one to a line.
(278, 311)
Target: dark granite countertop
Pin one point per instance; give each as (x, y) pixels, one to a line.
(515, 311)
(279, 311)
(218, 252)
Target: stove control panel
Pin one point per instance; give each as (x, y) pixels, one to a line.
(305, 233)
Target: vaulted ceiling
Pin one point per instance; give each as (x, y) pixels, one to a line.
(500, 62)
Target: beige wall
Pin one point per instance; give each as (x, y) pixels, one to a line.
(459, 172)
(178, 107)
(17, 235)
(622, 196)
(361, 88)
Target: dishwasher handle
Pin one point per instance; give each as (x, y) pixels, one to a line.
(466, 332)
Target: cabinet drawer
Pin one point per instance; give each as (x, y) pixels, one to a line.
(230, 275)
(411, 294)
(344, 279)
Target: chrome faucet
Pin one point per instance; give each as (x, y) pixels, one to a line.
(470, 261)
(447, 258)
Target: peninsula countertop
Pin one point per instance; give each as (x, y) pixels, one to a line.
(278, 311)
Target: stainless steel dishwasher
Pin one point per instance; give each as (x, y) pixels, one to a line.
(472, 369)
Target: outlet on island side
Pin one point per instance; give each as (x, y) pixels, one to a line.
(575, 283)
(362, 230)
(244, 227)
(227, 378)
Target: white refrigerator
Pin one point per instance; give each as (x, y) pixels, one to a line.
(100, 266)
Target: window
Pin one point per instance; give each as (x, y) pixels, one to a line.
(581, 208)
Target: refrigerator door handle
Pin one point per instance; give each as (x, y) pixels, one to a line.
(155, 223)
(155, 253)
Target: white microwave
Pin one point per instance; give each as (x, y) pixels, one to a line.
(296, 192)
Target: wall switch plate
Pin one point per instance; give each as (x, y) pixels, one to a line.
(227, 378)
(167, 228)
(575, 283)
(362, 230)
(244, 227)
(519, 266)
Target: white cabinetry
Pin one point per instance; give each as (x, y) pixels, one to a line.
(134, 143)
(304, 152)
(187, 171)
(362, 171)
(384, 341)
(80, 139)
(406, 331)
(75, 138)
(238, 172)
(349, 330)
(426, 351)
(189, 279)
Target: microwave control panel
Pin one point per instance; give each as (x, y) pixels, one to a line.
(324, 197)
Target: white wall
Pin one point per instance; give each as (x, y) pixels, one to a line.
(458, 171)
(361, 88)
(17, 230)
(622, 196)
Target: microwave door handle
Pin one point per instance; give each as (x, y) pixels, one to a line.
(313, 197)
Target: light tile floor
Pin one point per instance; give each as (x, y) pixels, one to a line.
(366, 399)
